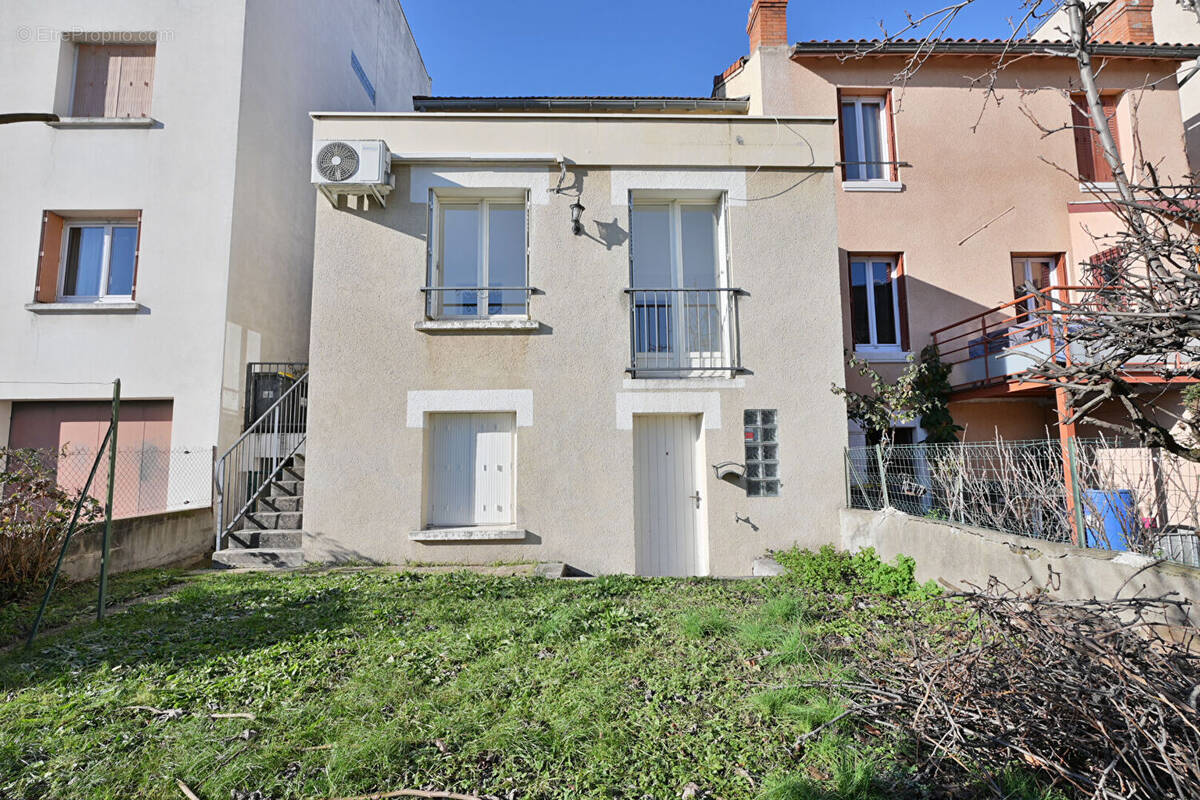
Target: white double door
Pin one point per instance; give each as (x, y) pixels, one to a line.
(670, 510)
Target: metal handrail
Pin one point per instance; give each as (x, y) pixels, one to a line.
(669, 336)
(257, 458)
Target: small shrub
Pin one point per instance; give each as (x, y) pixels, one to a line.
(830, 571)
(34, 514)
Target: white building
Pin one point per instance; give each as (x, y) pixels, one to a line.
(162, 231)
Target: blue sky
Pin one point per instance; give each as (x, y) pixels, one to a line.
(648, 47)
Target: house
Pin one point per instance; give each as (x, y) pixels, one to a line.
(596, 330)
(160, 231)
(1145, 22)
(949, 203)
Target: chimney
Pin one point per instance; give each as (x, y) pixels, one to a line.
(768, 24)
(1125, 21)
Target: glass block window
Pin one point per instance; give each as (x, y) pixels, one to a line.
(762, 452)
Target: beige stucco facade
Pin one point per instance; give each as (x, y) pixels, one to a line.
(376, 379)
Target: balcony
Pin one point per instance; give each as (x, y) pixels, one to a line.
(684, 333)
(989, 352)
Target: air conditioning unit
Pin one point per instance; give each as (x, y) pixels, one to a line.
(354, 167)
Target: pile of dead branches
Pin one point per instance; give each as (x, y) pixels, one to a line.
(1099, 697)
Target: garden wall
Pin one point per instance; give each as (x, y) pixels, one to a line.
(177, 538)
(960, 555)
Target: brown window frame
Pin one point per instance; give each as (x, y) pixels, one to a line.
(1090, 162)
(900, 280)
(52, 247)
(888, 129)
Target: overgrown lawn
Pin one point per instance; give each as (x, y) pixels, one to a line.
(519, 687)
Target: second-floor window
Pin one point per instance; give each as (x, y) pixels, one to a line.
(1093, 167)
(681, 305)
(113, 80)
(99, 260)
(91, 259)
(866, 138)
(479, 264)
(875, 304)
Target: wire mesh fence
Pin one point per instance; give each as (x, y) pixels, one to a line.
(148, 480)
(1096, 493)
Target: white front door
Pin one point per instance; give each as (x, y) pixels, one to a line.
(470, 469)
(670, 513)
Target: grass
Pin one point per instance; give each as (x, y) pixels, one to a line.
(373, 681)
(76, 602)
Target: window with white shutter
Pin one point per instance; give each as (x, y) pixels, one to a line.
(470, 469)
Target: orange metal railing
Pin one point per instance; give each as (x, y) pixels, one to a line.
(998, 345)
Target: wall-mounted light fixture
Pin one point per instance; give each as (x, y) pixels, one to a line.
(577, 210)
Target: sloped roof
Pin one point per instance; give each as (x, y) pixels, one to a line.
(877, 47)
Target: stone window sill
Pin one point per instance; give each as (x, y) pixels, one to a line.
(129, 307)
(872, 186)
(505, 533)
(478, 326)
(883, 356)
(105, 122)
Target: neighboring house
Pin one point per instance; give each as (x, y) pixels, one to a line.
(949, 205)
(161, 231)
(646, 392)
(1146, 22)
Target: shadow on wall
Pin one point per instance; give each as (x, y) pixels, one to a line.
(1191, 139)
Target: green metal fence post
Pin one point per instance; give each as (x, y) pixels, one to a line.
(1076, 492)
(83, 495)
(108, 503)
(883, 487)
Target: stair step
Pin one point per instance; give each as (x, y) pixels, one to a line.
(258, 558)
(287, 488)
(280, 504)
(267, 540)
(272, 520)
(295, 471)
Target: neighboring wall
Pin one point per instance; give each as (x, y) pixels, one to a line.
(965, 556)
(962, 180)
(574, 462)
(178, 539)
(296, 63)
(1174, 23)
(180, 173)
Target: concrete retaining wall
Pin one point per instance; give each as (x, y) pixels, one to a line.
(960, 555)
(180, 538)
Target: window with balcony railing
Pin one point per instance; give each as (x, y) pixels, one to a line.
(683, 312)
(479, 264)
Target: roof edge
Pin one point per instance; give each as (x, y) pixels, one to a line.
(598, 104)
(874, 47)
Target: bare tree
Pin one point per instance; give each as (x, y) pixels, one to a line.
(1140, 319)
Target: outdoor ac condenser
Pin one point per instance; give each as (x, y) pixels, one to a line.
(353, 167)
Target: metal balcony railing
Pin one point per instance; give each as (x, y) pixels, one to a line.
(684, 332)
(998, 345)
(475, 302)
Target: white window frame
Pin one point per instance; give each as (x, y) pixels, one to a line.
(105, 263)
(437, 203)
(676, 202)
(874, 347)
(884, 157)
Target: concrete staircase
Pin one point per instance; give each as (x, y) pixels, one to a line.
(270, 536)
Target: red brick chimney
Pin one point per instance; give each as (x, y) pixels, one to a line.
(768, 24)
(1125, 21)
